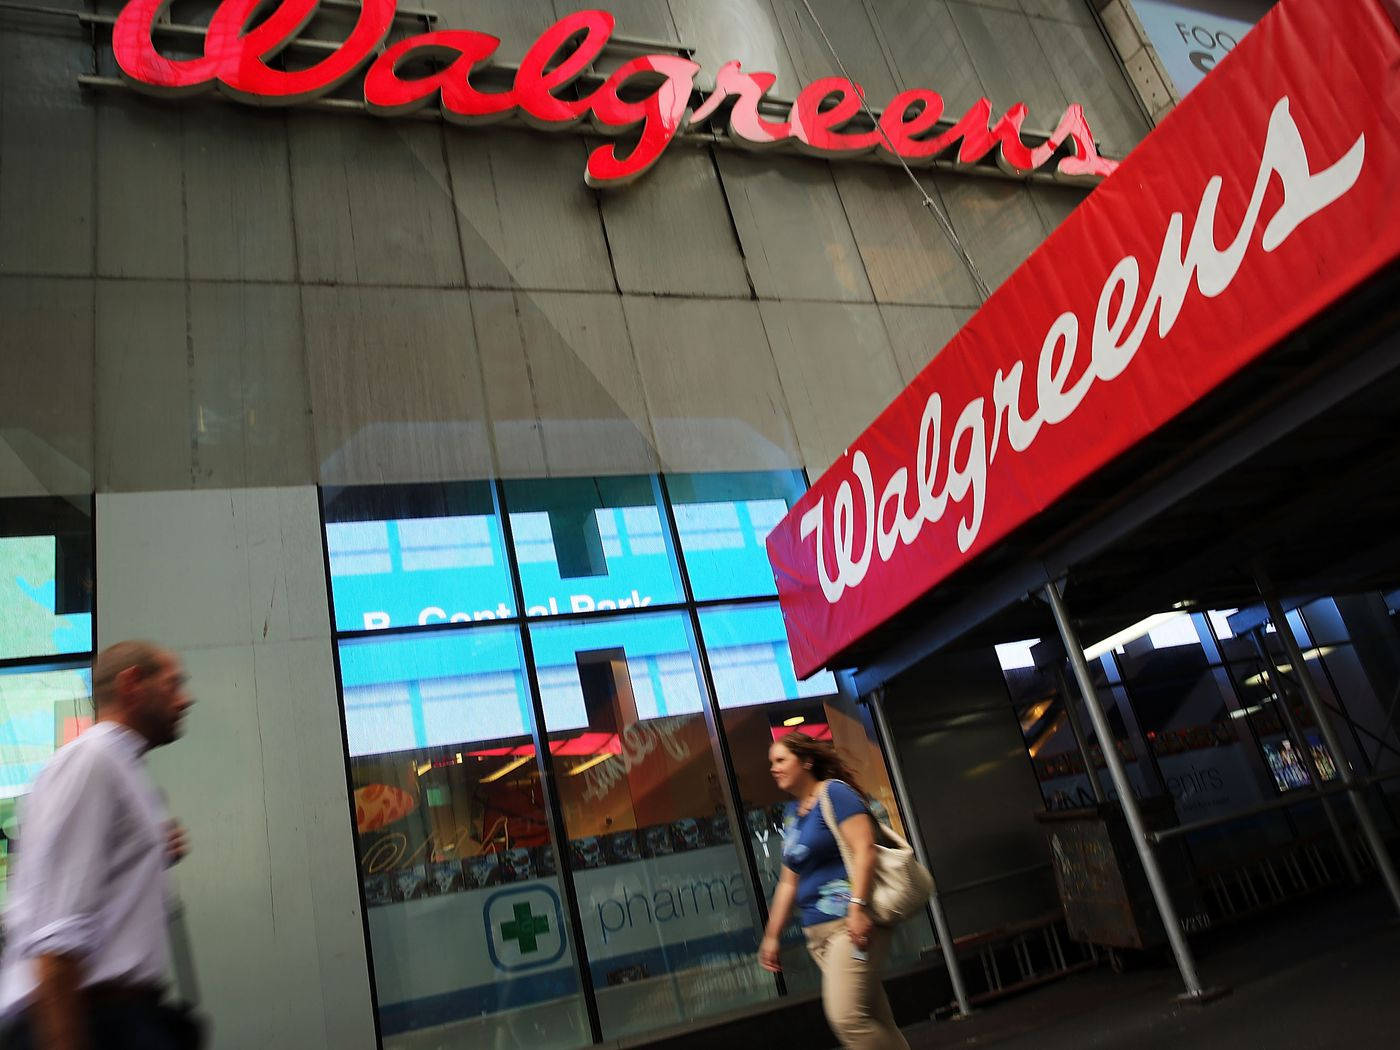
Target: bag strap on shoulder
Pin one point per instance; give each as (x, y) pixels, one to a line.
(829, 815)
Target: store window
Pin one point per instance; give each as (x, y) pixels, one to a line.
(670, 922)
(46, 604)
(750, 659)
(723, 520)
(628, 626)
(591, 544)
(465, 913)
(415, 555)
(1058, 732)
(1200, 738)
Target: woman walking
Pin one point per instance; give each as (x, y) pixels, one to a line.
(832, 902)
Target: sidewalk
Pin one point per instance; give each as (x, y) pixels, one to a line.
(1321, 974)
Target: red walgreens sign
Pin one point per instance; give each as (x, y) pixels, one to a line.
(652, 92)
(1264, 197)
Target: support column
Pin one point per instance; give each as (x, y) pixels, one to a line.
(1185, 963)
(1324, 724)
(940, 920)
(1079, 738)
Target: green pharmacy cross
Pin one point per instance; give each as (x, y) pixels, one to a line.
(525, 928)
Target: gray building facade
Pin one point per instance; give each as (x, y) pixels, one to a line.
(237, 340)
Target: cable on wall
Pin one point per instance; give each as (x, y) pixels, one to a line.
(928, 201)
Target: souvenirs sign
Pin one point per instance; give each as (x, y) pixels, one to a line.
(650, 99)
(1215, 239)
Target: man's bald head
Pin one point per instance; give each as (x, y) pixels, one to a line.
(142, 686)
(109, 664)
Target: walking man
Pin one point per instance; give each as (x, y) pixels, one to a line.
(85, 956)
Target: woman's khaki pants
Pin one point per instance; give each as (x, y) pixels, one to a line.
(852, 996)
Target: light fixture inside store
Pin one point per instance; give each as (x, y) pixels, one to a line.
(795, 720)
(1129, 634)
(491, 778)
(423, 767)
(1260, 677)
(590, 763)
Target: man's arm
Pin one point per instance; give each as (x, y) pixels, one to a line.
(57, 1016)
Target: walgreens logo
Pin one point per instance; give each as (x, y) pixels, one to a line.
(652, 94)
(860, 525)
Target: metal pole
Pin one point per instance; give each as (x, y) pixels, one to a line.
(935, 904)
(1184, 961)
(1079, 738)
(1324, 724)
(1295, 731)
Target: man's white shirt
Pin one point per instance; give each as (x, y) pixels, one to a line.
(88, 878)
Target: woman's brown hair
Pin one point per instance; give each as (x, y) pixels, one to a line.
(826, 762)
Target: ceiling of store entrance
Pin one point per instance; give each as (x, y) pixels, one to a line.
(1313, 497)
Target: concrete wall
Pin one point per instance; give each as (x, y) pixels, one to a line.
(206, 310)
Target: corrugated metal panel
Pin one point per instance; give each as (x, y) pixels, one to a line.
(395, 385)
(690, 353)
(670, 231)
(46, 424)
(526, 218)
(905, 249)
(837, 371)
(372, 202)
(794, 232)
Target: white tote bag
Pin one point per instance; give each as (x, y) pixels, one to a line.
(901, 885)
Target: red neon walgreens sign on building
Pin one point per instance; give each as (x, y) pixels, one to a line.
(236, 61)
(1267, 194)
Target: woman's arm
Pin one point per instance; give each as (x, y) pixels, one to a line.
(859, 832)
(778, 914)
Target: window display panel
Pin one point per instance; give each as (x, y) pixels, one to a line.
(591, 544)
(670, 927)
(428, 689)
(1038, 696)
(723, 520)
(40, 711)
(750, 661)
(749, 731)
(1257, 685)
(1203, 746)
(406, 555)
(466, 918)
(45, 578)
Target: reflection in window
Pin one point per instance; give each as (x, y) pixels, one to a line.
(669, 923)
(1013, 655)
(750, 660)
(422, 690)
(45, 578)
(449, 809)
(660, 669)
(409, 555)
(1179, 630)
(723, 520)
(43, 710)
(591, 544)
(467, 927)
(46, 592)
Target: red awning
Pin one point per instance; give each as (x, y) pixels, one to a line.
(1263, 199)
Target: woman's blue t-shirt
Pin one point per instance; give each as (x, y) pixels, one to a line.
(811, 851)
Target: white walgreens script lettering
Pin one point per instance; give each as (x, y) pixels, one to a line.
(638, 741)
(1112, 347)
